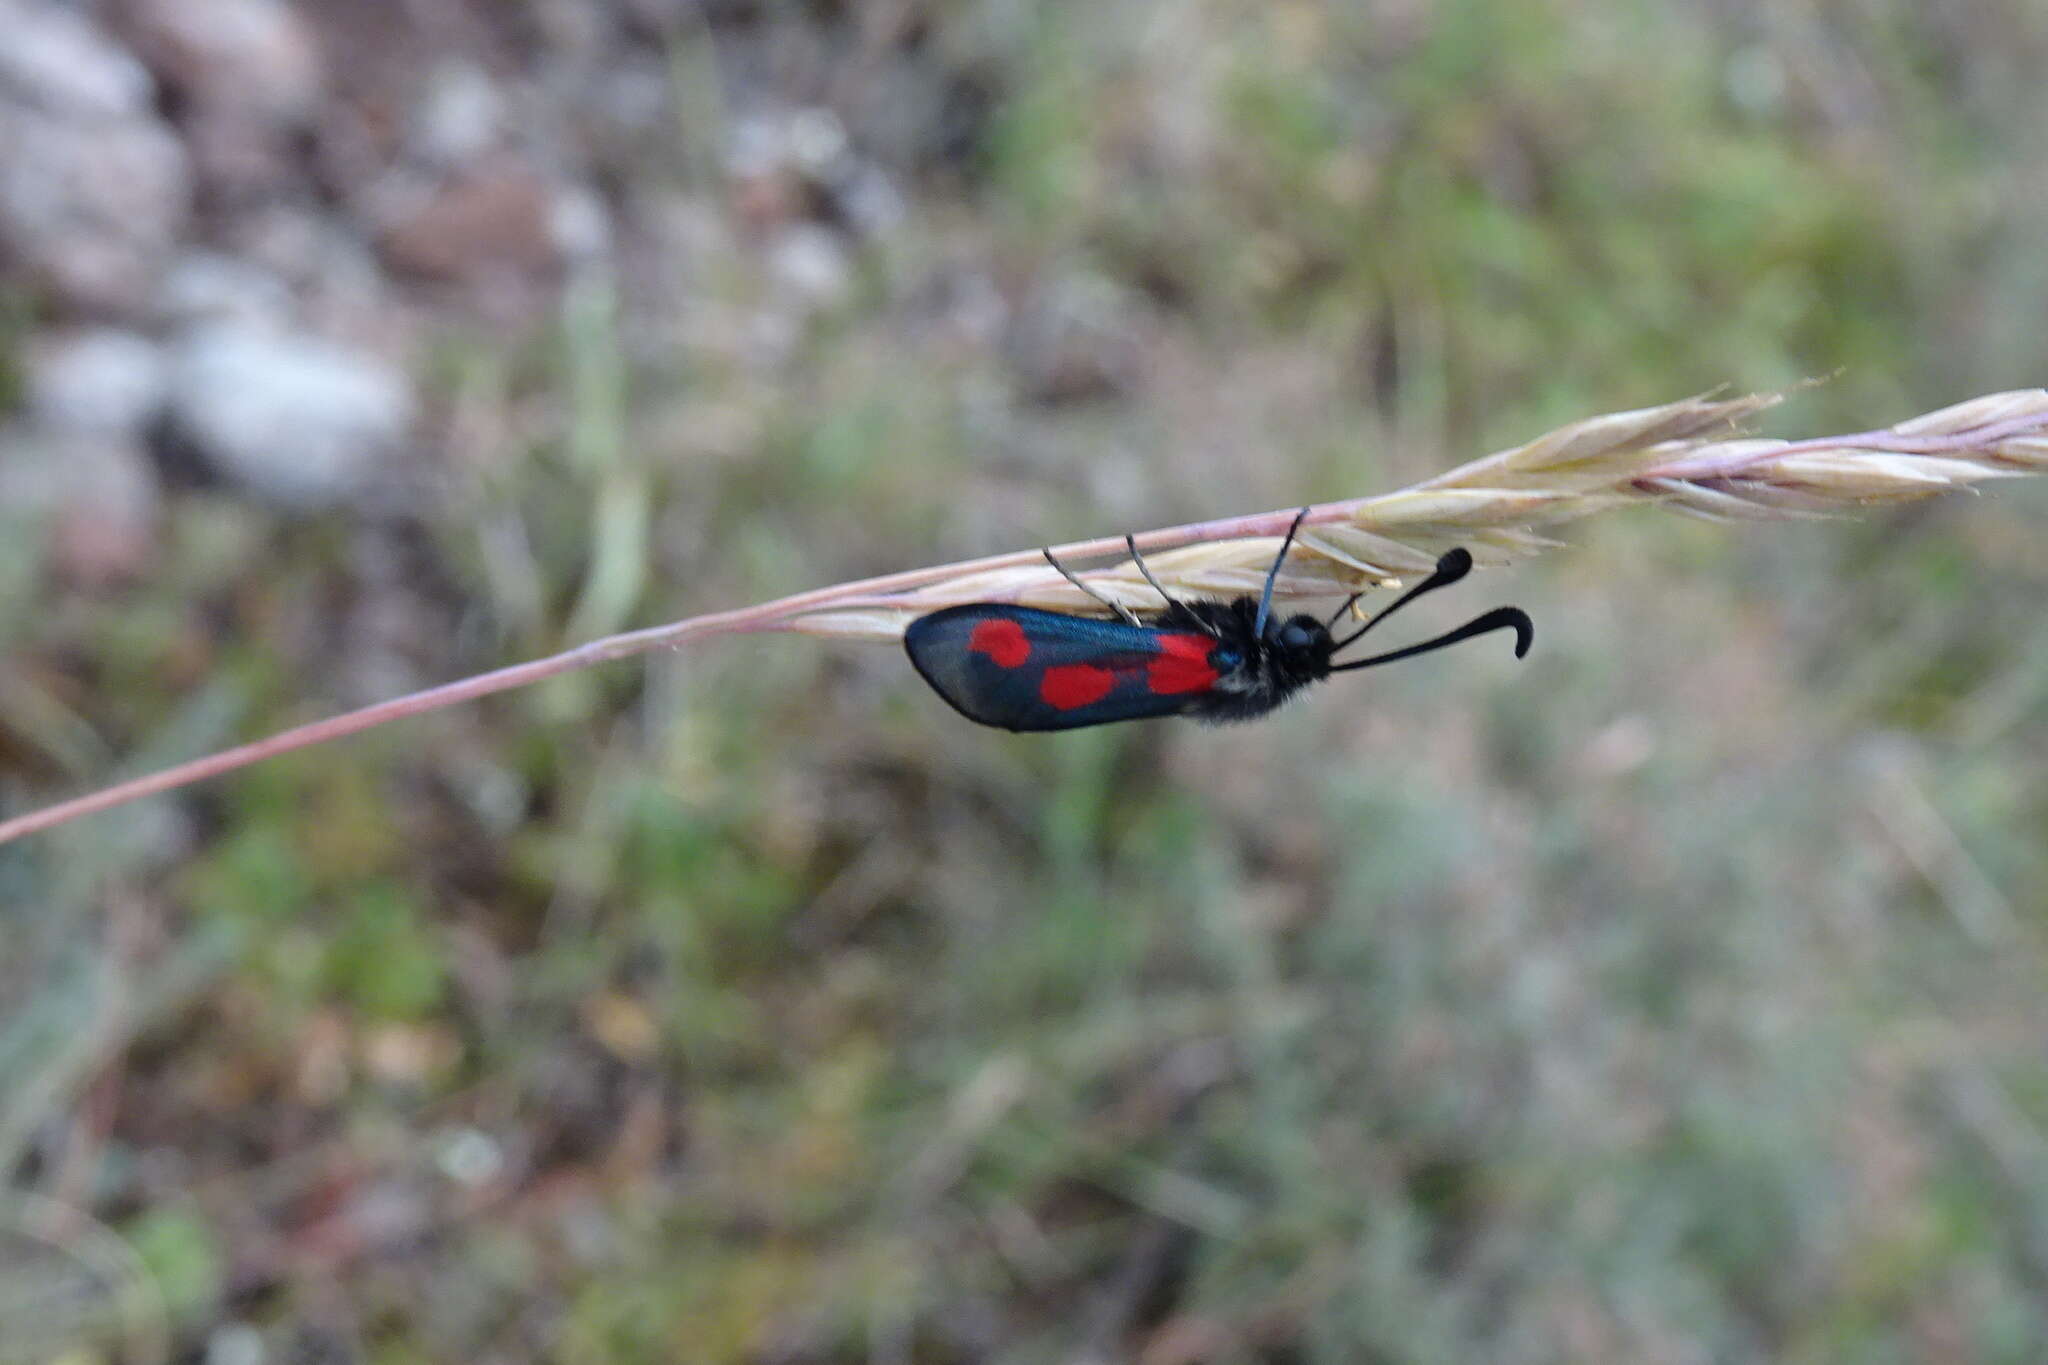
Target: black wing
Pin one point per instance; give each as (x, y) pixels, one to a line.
(1018, 668)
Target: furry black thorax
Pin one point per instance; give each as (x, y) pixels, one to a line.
(1255, 672)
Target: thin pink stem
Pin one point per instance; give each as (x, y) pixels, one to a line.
(350, 722)
(767, 616)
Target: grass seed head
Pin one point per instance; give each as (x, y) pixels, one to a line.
(1692, 456)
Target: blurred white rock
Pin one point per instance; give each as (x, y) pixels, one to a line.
(88, 499)
(256, 57)
(580, 224)
(296, 420)
(90, 205)
(458, 118)
(60, 61)
(811, 264)
(101, 380)
(208, 286)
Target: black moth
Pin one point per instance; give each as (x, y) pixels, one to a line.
(1019, 668)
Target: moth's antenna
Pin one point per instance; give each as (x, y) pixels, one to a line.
(1500, 618)
(1266, 598)
(1454, 565)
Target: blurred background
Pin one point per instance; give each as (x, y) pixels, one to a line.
(1676, 995)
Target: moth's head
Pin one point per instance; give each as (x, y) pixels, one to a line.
(1298, 637)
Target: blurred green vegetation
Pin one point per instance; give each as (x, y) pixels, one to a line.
(1676, 995)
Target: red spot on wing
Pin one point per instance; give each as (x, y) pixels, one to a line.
(1182, 665)
(1071, 686)
(1002, 640)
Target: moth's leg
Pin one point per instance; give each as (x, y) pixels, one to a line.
(1119, 608)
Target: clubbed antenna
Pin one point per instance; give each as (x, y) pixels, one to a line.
(1500, 618)
(1454, 565)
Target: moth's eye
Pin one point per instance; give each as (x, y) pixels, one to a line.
(1224, 659)
(1294, 637)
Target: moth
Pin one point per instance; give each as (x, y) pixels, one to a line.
(1020, 668)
